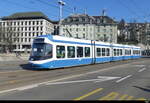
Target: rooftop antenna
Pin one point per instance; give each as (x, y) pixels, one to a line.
(74, 10)
(85, 11)
(104, 12)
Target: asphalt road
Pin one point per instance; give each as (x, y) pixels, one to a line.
(123, 80)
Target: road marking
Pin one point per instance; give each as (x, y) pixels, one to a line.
(13, 81)
(123, 97)
(27, 87)
(123, 78)
(88, 94)
(130, 98)
(142, 69)
(142, 99)
(139, 65)
(100, 79)
(115, 95)
(110, 96)
(106, 78)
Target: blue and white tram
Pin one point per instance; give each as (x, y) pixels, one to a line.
(56, 51)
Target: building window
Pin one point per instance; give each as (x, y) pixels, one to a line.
(29, 34)
(33, 29)
(60, 51)
(25, 39)
(77, 36)
(83, 35)
(37, 28)
(25, 22)
(33, 34)
(98, 29)
(41, 28)
(77, 29)
(83, 29)
(79, 51)
(70, 29)
(37, 34)
(29, 22)
(37, 22)
(22, 23)
(41, 22)
(29, 39)
(33, 22)
(21, 39)
(25, 34)
(71, 51)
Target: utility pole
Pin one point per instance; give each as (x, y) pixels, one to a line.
(61, 4)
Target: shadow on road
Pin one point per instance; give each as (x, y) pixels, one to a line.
(144, 89)
(28, 67)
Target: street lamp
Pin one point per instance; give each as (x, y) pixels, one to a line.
(61, 4)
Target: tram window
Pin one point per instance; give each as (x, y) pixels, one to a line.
(121, 52)
(117, 52)
(87, 51)
(108, 52)
(79, 51)
(103, 51)
(129, 52)
(126, 52)
(60, 51)
(98, 51)
(71, 51)
(48, 51)
(114, 52)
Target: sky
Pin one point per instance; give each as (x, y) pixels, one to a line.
(129, 10)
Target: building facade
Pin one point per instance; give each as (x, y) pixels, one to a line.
(84, 26)
(78, 26)
(106, 29)
(23, 27)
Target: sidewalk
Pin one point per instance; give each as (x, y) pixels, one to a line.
(13, 57)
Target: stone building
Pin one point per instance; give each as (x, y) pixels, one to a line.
(83, 26)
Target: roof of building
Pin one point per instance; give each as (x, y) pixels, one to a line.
(78, 19)
(107, 19)
(86, 19)
(26, 15)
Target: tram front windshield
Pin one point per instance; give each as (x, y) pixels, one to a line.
(41, 51)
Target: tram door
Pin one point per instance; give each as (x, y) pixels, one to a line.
(93, 52)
